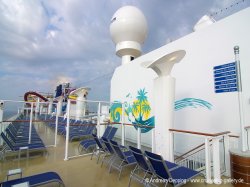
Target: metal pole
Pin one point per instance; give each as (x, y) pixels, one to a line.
(240, 97)
(98, 119)
(67, 131)
(208, 162)
(171, 146)
(31, 116)
(1, 119)
(216, 160)
(153, 140)
(139, 138)
(227, 157)
(57, 115)
(123, 127)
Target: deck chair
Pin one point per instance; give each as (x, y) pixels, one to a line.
(142, 169)
(123, 158)
(36, 180)
(85, 144)
(79, 135)
(99, 149)
(19, 148)
(177, 176)
(109, 133)
(110, 154)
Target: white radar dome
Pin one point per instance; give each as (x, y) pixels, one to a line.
(128, 30)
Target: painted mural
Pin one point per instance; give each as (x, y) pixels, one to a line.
(138, 109)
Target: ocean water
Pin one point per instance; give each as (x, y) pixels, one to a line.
(8, 114)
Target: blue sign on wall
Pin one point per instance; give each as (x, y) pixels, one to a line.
(225, 78)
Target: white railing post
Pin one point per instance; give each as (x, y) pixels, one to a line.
(57, 115)
(248, 138)
(30, 127)
(240, 99)
(98, 119)
(123, 127)
(139, 138)
(208, 162)
(67, 131)
(216, 160)
(227, 157)
(1, 119)
(153, 140)
(171, 146)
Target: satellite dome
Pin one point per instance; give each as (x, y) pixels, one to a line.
(128, 30)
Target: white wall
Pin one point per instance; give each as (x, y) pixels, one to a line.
(205, 49)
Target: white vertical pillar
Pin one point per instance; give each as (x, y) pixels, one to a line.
(30, 127)
(216, 160)
(139, 138)
(240, 98)
(171, 146)
(164, 91)
(56, 129)
(248, 138)
(98, 119)
(123, 126)
(153, 140)
(227, 156)
(1, 119)
(50, 105)
(37, 105)
(80, 106)
(208, 162)
(104, 114)
(164, 95)
(41, 108)
(59, 106)
(67, 132)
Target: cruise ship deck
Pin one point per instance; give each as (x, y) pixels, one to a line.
(75, 172)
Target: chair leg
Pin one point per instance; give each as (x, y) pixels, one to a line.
(103, 159)
(129, 180)
(92, 154)
(98, 158)
(120, 173)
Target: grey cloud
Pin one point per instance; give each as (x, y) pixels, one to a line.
(48, 41)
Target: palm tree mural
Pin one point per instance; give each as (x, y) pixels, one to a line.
(139, 110)
(141, 100)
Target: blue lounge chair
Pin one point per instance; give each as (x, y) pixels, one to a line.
(109, 152)
(177, 176)
(123, 158)
(36, 180)
(81, 134)
(86, 144)
(142, 169)
(99, 149)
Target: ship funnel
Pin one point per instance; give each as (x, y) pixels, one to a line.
(203, 22)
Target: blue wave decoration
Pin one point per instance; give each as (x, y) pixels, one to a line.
(149, 122)
(191, 102)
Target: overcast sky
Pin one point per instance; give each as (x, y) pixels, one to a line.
(47, 42)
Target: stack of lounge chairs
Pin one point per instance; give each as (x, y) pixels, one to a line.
(16, 139)
(78, 129)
